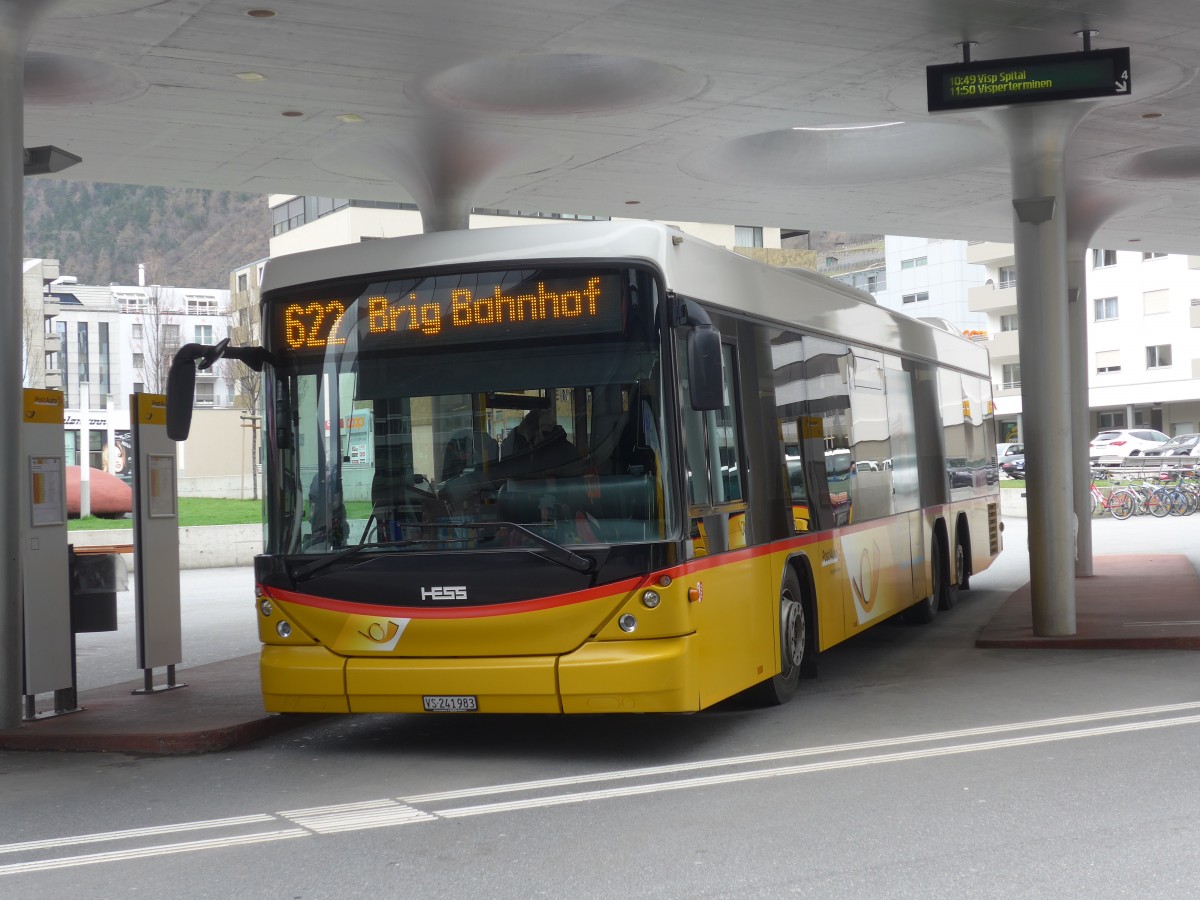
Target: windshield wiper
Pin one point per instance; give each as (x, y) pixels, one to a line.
(558, 553)
(302, 572)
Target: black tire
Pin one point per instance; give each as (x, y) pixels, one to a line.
(962, 565)
(924, 612)
(797, 649)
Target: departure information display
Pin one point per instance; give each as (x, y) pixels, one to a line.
(438, 310)
(1029, 79)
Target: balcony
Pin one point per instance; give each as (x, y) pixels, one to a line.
(990, 253)
(51, 306)
(1004, 345)
(54, 379)
(988, 298)
(52, 341)
(1195, 312)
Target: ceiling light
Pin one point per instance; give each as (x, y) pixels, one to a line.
(260, 13)
(856, 127)
(632, 202)
(1151, 115)
(292, 113)
(349, 118)
(1134, 240)
(250, 76)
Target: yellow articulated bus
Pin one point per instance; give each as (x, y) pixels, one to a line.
(594, 467)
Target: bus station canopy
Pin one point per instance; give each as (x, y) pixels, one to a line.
(793, 113)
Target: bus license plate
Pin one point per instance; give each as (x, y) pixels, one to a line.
(450, 704)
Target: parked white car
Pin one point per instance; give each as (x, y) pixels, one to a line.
(1113, 447)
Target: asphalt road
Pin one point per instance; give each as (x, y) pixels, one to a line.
(915, 766)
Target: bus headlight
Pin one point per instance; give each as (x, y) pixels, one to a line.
(651, 599)
(283, 628)
(627, 623)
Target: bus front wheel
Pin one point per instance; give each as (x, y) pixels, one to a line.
(795, 647)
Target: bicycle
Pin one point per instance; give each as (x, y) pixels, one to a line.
(1120, 504)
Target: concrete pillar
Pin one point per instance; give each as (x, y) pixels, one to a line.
(1037, 137)
(17, 19)
(1077, 319)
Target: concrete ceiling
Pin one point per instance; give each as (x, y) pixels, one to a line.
(664, 109)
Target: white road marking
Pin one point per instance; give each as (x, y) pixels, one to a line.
(830, 765)
(385, 812)
(143, 852)
(356, 816)
(624, 774)
(135, 832)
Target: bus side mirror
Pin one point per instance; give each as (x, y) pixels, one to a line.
(181, 393)
(704, 368)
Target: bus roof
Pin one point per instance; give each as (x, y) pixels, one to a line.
(690, 266)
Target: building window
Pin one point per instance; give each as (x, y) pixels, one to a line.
(105, 383)
(747, 236)
(1155, 302)
(918, 297)
(201, 305)
(1008, 322)
(1006, 277)
(170, 337)
(1106, 308)
(137, 331)
(139, 361)
(139, 387)
(915, 262)
(1108, 361)
(1010, 376)
(1158, 356)
(205, 393)
(1146, 256)
(204, 334)
(1103, 258)
(81, 334)
(242, 280)
(876, 283)
(287, 216)
(1110, 420)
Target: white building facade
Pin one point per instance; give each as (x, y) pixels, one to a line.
(1143, 317)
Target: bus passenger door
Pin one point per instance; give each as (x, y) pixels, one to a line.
(735, 619)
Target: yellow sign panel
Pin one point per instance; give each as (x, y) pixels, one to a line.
(43, 407)
(151, 409)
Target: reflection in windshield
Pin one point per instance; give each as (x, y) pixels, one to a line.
(563, 439)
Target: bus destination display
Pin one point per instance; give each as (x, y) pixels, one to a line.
(440, 310)
(1028, 79)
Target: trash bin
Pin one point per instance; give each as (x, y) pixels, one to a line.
(95, 580)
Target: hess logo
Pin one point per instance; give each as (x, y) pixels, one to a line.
(444, 592)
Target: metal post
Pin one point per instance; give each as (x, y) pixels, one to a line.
(17, 18)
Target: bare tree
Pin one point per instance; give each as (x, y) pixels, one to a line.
(160, 325)
(33, 358)
(245, 383)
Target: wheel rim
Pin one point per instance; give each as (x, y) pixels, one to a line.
(960, 561)
(792, 632)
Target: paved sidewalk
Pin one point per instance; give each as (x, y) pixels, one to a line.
(221, 707)
(1135, 602)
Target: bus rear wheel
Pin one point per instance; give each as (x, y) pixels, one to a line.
(795, 650)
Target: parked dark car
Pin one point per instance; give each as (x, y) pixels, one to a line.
(1014, 466)
(1187, 445)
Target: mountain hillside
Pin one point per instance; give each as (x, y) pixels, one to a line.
(186, 238)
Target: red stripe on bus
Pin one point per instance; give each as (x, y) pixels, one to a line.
(454, 612)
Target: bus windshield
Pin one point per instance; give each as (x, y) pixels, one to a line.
(383, 440)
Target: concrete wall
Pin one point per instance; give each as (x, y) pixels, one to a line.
(200, 547)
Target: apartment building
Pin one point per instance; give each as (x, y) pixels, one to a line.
(1143, 344)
